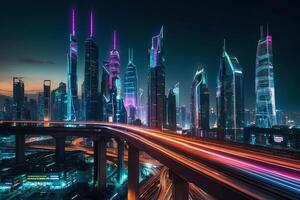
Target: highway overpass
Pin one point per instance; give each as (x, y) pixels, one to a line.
(223, 170)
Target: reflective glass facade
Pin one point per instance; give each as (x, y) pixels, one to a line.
(264, 84)
(230, 100)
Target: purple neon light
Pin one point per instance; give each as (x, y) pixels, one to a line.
(115, 39)
(91, 25)
(73, 22)
(269, 38)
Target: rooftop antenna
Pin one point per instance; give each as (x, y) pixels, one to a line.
(162, 32)
(224, 46)
(267, 29)
(73, 22)
(261, 32)
(130, 55)
(91, 25)
(115, 39)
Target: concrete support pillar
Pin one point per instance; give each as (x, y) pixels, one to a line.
(60, 149)
(20, 148)
(100, 166)
(120, 161)
(180, 187)
(133, 173)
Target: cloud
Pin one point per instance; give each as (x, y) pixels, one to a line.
(36, 61)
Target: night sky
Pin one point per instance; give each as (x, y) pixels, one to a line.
(34, 40)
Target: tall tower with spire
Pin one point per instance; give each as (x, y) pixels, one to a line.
(199, 103)
(114, 63)
(156, 83)
(130, 87)
(91, 76)
(264, 82)
(73, 104)
(230, 102)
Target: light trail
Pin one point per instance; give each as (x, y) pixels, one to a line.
(279, 173)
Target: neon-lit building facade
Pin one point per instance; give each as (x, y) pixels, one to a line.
(59, 102)
(119, 114)
(156, 85)
(230, 100)
(130, 88)
(199, 103)
(91, 77)
(73, 104)
(114, 63)
(264, 83)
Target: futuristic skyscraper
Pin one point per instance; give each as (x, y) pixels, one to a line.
(105, 106)
(120, 113)
(73, 104)
(47, 100)
(130, 88)
(264, 83)
(230, 101)
(18, 97)
(156, 85)
(199, 103)
(91, 77)
(114, 63)
(59, 102)
(172, 110)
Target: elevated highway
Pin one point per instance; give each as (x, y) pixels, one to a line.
(223, 170)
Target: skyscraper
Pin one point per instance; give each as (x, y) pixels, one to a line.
(176, 92)
(73, 104)
(172, 110)
(130, 88)
(91, 77)
(141, 106)
(119, 113)
(114, 63)
(156, 84)
(59, 102)
(199, 103)
(40, 115)
(183, 117)
(264, 83)
(33, 109)
(47, 100)
(105, 110)
(115, 107)
(18, 97)
(230, 98)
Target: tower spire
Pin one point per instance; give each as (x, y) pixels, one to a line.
(130, 55)
(267, 29)
(73, 22)
(224, 46)
(115, 39)
(91, 25)
(161, 33)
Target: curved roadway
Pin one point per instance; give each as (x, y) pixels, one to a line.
(221, 170)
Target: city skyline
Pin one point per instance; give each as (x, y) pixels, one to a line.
(149, 100)
(203, 52)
